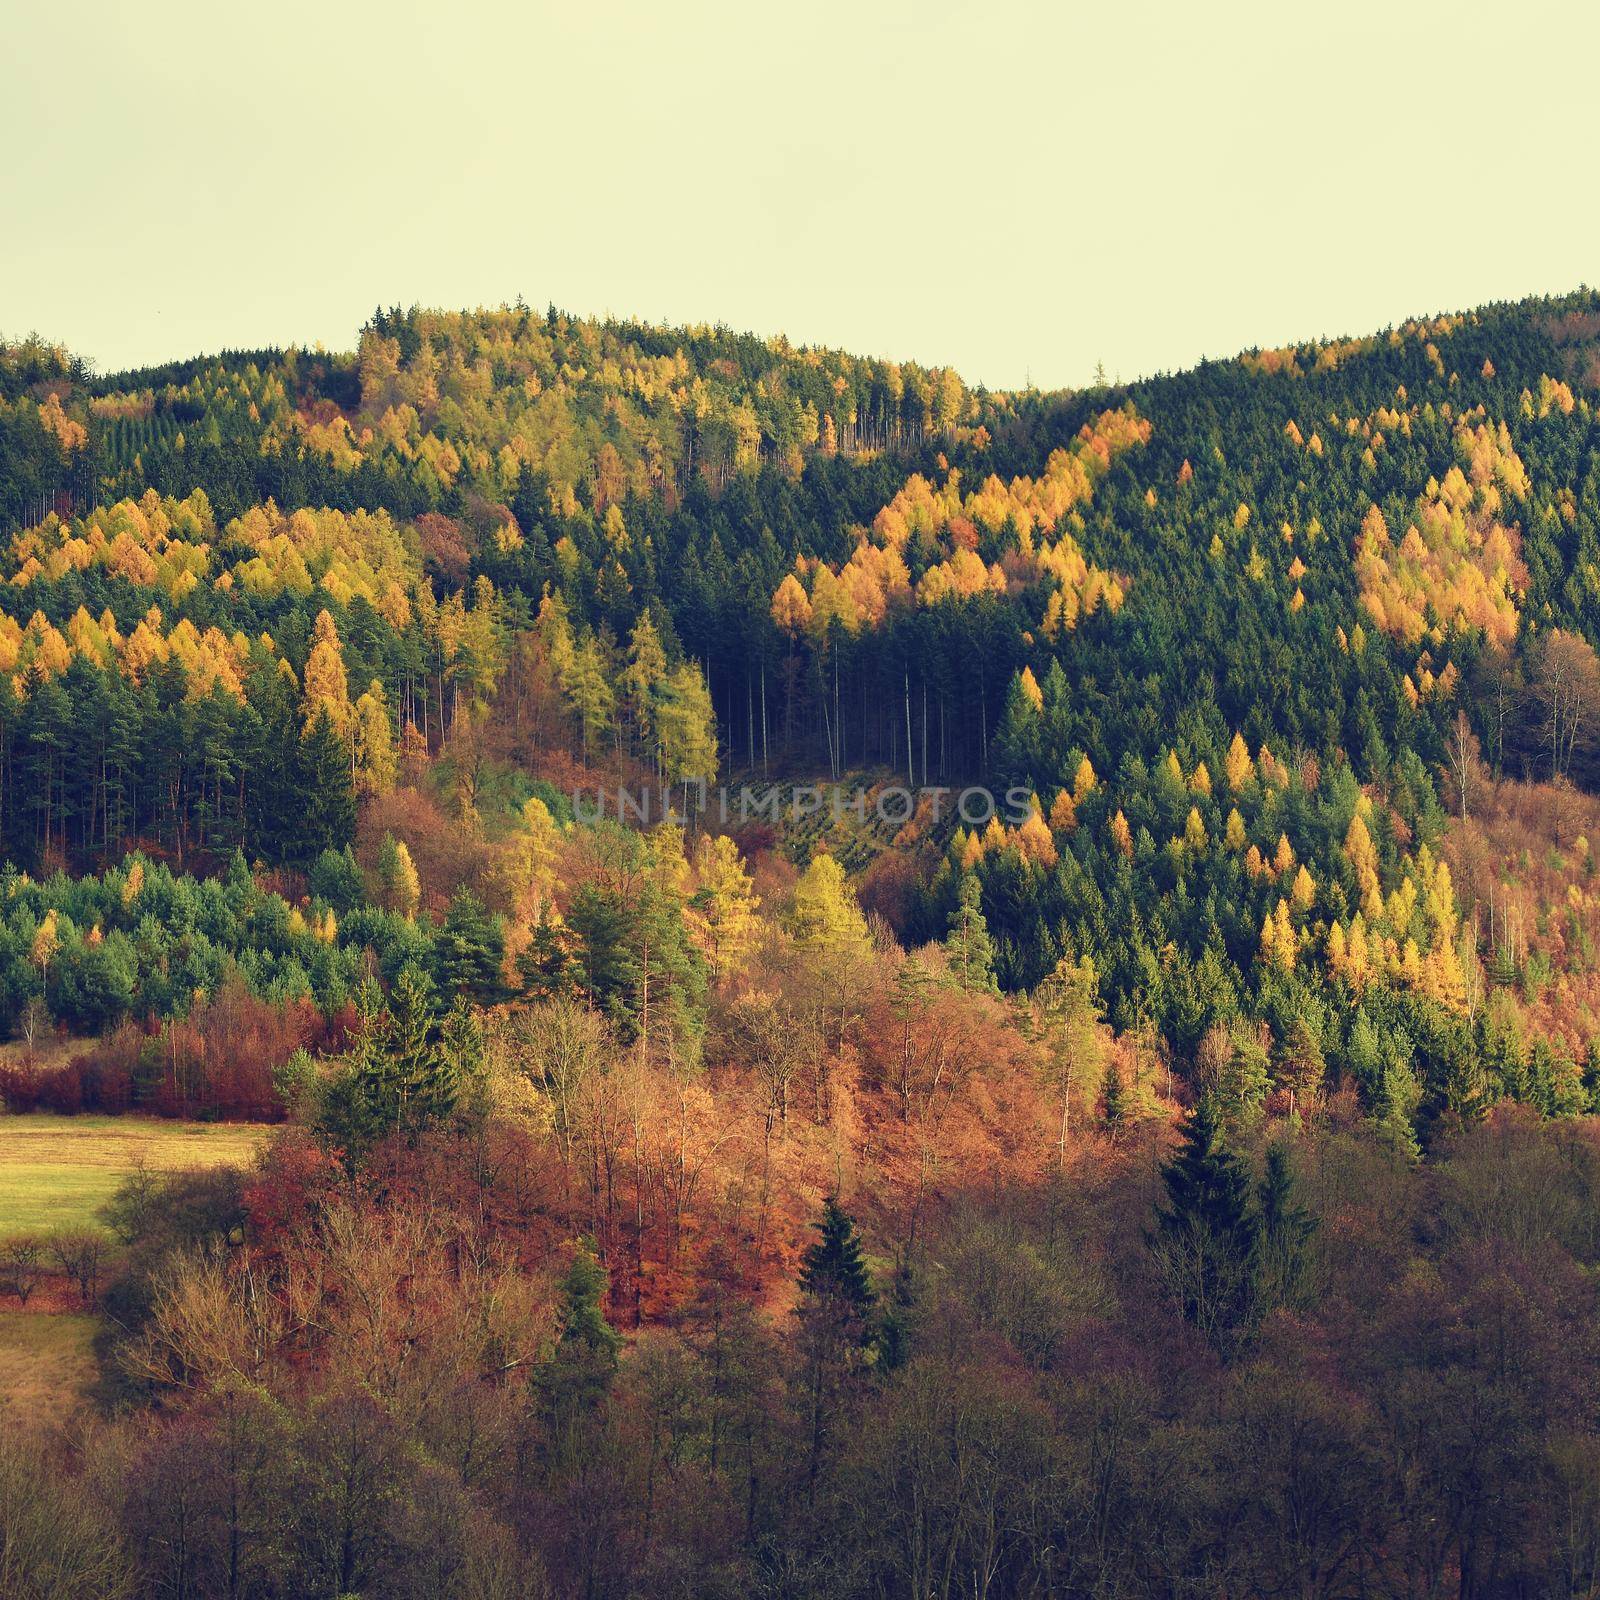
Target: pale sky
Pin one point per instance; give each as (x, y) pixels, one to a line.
(1015, 189)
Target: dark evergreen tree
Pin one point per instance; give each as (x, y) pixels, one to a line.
(837, 1331)
(1286, 1230)
(1205, 1238)
(577, 1376)
(398, 1079)
(833, 1271)
(1113, 1100)
(324, 815)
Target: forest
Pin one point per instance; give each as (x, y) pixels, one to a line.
(1182, 1181)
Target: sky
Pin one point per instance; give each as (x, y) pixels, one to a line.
(1018, 190)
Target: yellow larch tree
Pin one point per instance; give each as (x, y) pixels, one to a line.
(1238, 766)
(1122, 835)
(1233, 830)
(826, 918)
(375, 757)
(327, 685)
(722, 911)
(1083, 781)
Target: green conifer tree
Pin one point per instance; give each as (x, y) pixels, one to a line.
(1286, 1231)
(1204, 1241)
(577, 1376)
(833, 1271)
(469, 951)
(1113, 1100)
(970, 948)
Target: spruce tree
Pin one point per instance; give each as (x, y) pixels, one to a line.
(578, 1373)
(1285, 1231)
(587, 1350)
(420, 1082)
(1206, 1234)
(970, 948)
(836, 1311)
(1300, 1066)
(399, 1077)
(833, 1270)
(469, 950)
(324, 808)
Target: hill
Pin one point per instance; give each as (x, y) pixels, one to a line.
(864, 986)
(1245, 633)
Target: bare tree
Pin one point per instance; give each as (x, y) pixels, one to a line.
(1463, 760)
(22, 1264)
(1566, 690)
(79, 1252)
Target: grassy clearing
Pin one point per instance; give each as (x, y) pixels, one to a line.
(58, 1171)
(46, 1365)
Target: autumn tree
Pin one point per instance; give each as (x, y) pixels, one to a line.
(724, 904)
(1066, 1014)
(399, 888)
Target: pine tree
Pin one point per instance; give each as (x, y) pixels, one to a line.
(837, 1330)
(1206, 1234)
(424, 1082)
(642, 681)
(323, 811)
(1396, 1104)
(549, 965)
(399, 1078)
(414, 1083)
(1300, 1066)
(579, 1371)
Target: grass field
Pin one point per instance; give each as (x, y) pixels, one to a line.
(58, 1171)
(46, 1364)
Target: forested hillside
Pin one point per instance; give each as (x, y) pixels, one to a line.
(1214, 750)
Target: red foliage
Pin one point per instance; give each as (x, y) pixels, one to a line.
(294, 1178)
(216, 1063)
(889, 887)
(444, 854)
(445, 550)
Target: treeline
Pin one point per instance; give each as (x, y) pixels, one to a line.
(1323, 1369)
(140, 943)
